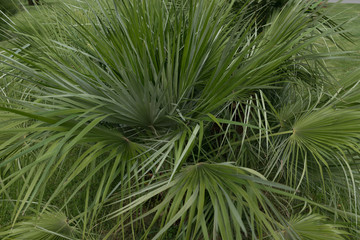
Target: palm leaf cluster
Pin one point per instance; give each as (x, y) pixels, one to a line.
(177, 119)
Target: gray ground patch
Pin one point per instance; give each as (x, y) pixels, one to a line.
(345, 1)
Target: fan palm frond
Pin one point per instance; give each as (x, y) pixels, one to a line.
(315, 227)
(49, 225)
(212, 200)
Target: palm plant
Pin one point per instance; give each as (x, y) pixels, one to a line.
(143, 118)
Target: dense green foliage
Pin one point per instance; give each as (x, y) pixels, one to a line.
(7, 8)
(263, 9)
(177, 120)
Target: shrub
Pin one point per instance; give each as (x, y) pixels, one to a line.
(154, 116)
